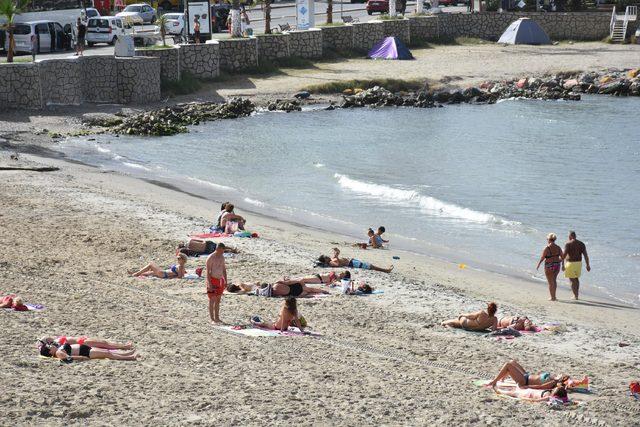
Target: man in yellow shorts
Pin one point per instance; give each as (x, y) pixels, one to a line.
(574, 249)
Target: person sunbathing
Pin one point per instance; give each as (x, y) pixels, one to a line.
(519, 323)
(229, 216)
(91, 342)
(174, 272)
(288, 288)
(68, 352)
(478, 321)
(13, 302)
(195, 247)
(319, 279)
(336, 261)
(532, 394)
(288, 316)
(541, 381)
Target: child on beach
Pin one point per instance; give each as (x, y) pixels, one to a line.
(288, 316)
(174, 272)
(378, 235)
(216, 281)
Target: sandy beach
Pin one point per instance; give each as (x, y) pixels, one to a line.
(69, 237)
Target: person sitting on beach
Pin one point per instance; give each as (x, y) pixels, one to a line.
(535, 395)
(541, 381)
(552, 258)
(478, 321)
(195, 247)
(288, 316)
(378, 235)
(68, 352)
(223, 210)
(236, 222)
(519, 323)
(13, 302)
(174, 272)
(336, 261)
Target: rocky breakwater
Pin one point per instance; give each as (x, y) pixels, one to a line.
(175, 119)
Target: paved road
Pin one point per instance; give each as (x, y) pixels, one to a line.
(282, 13)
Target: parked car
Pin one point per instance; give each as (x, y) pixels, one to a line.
(50, 37)
(380, 6)
(90, 13)
(175, 23)
(139, 13)
(105, 29)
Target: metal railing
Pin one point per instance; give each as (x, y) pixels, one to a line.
(613, 21)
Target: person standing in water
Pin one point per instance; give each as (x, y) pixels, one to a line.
(216, 281)
(552, 258)
(574, 250)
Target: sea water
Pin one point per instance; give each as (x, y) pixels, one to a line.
(479, 185)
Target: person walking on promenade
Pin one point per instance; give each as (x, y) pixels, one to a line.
(574, 250)
(552, 257)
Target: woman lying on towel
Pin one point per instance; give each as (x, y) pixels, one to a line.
(336, 261)
(195, 247)
(541, 381)
(14, 302)
(290, 288)
(478, 321)
(519, 323)
(174, 272)
(288, 317)
(535, 395)
(79, 349)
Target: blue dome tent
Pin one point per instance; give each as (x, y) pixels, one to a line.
(390, 48)
(524, 31)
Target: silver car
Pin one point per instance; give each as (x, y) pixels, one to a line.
(138, 13)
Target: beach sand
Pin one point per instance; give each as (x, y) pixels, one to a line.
(69, 237)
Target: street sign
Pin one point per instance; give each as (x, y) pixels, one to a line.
(304, 14)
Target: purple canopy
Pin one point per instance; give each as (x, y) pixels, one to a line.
(390, 48)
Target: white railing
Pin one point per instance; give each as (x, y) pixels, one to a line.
(632, 13)
(613, 20)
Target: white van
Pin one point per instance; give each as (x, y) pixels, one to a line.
(105, 29)
(49, 35)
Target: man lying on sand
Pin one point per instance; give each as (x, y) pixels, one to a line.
(282, 288)
(478, 321)
(68, 350)
(541, 381)
(288, 316)
(195, 247)
(336, 261)
(174, 272)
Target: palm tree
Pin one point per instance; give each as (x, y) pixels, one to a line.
(329, 11)
(162, 23)
(10, 9)
(267, 16)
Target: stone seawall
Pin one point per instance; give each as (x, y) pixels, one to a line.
(238, 54)
(138, 80)
(400, 28)
(169, 61)
(339, 38)
(272, 46)
(100, 79)
(366, 34)
(20, 86)
(306, 44)
(61, 81)
(200, 60)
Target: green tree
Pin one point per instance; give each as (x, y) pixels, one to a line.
(162, 23)
(10, 9)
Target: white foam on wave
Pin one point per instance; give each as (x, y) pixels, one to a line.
(318, 165)
(210, 184)
(429, 204)
(254, 202)
(102, 150)
(135, 166)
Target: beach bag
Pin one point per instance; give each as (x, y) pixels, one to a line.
(634, 387)
(264, 291)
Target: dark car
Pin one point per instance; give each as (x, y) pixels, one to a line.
(380, 6)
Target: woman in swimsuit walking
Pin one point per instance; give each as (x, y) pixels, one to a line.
(174, 272)
(552, 257)
(336, 261)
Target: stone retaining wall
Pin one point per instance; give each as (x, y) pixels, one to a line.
(238, 54)
(337, 38)
(169, 61)
(424, 28)
(200, 60)
(138, 80)
(306, 44)
(61, 81)
(272, 46)
(100, 78)
(366, 34)
(20, 86)
(399, 28)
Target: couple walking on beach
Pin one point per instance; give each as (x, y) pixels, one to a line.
(569, 259)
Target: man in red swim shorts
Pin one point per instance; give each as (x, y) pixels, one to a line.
(216, 281)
